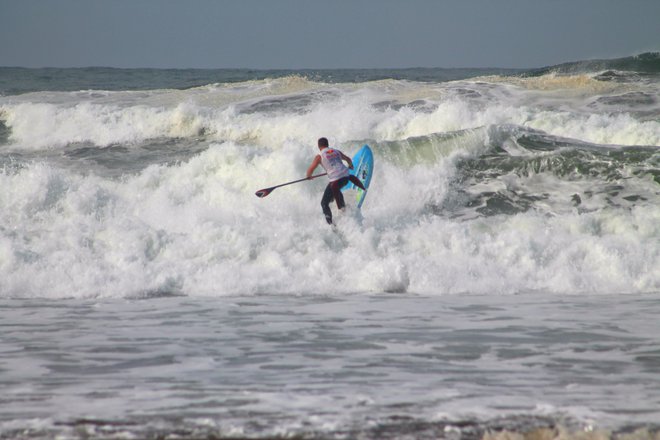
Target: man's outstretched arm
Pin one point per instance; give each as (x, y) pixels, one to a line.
(312, 167)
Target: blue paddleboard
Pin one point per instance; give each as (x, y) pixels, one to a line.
(363, 168)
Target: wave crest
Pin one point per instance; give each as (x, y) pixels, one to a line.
(648, 63)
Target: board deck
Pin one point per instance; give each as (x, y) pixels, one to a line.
(363, 168)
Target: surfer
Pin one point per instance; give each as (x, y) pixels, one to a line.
(333, 162)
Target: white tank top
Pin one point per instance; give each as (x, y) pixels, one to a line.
(331, 161)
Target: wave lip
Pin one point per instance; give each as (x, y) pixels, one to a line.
(645, 63)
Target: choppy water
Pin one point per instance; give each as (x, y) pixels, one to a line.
(362, 366)
(503, 274)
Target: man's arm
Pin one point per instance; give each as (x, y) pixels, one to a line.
(312, 167)
(348, 160)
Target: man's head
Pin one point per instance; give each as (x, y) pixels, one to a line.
(323, 143)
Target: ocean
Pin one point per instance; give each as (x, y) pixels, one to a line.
(501, 282)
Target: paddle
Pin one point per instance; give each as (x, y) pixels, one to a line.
(264, 192)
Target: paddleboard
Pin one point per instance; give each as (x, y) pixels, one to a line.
(363, 168)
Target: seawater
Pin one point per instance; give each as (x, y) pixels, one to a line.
(375, 366)
(501, 279)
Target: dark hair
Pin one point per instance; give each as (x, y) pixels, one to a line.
(323, 142)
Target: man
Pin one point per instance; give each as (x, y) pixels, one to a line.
(333, 162)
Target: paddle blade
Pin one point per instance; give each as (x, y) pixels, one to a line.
(263, 192)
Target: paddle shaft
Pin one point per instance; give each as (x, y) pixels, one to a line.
(264, 192)
(296, 181)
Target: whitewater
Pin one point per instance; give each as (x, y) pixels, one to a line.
(502, 276)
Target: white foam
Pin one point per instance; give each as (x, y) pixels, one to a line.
(196, 228)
